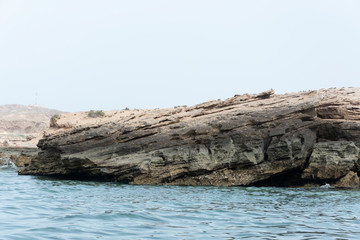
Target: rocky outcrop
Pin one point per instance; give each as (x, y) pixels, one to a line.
(332, 160)
(260, 139)
(350, 180)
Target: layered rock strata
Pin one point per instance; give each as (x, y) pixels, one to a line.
(260, 139)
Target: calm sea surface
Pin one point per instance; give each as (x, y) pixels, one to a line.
(43, 208)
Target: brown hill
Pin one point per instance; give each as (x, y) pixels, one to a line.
(19, 124)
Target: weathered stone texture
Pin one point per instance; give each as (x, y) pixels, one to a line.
(245, 140)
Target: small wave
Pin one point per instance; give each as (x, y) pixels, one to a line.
(326, 185)
(9, 165)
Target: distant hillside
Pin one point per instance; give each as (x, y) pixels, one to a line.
(20, 123)
(12, 112)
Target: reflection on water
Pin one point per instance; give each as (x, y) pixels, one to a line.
(43, 208)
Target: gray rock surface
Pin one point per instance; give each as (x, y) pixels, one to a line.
(260, 139)
(332, 160)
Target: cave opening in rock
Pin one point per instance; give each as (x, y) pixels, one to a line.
(288, 179)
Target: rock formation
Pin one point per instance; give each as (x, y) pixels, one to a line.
(261, 139)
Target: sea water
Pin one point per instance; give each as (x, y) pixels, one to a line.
(45, 208)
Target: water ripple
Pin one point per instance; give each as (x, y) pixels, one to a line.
(43, 208)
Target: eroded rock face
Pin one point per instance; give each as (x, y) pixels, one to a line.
(350, 180)
(245, 140)
(332, 160)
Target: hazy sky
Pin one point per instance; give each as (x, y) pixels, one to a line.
(79, 55)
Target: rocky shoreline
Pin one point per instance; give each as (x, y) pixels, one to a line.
(262, 139)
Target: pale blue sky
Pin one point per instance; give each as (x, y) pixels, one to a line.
(79, 55)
